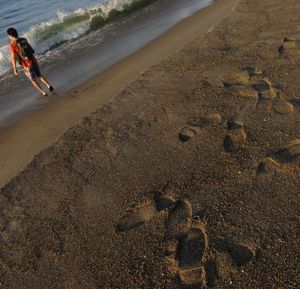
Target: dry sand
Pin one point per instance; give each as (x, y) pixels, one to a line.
(189, 178)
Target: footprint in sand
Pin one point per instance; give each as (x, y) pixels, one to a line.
(236, 138)
(238, 84)
(283, 107)
(186, 246)
(289, 153)
(251, 84)
(241, 254)
(179, 220)
(235, 141)
(290, 46)
(246, 92)
(265, 90)
(146, 209)
(137, 215)
(186, 238)
(268, 166)
(237, 79)
(190, 252)
(212, 272)
(210, 119)
(268, 95)
(192, 246)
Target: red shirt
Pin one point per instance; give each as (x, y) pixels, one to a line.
(15, 50)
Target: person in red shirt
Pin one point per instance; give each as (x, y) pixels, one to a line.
(28, 62)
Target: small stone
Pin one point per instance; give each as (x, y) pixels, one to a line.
(187, 133)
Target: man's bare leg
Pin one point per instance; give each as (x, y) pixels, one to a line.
(38, 87)
(45, 81)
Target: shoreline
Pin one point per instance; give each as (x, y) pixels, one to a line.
(20, 143)
(94, 53)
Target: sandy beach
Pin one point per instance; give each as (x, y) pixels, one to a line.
(21, 140)
(178, 167)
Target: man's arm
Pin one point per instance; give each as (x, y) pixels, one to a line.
(13, 62)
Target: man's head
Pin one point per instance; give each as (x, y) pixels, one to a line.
(12, 33)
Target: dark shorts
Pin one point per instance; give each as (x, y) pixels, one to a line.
(32, 72)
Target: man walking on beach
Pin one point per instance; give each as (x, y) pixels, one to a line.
(22, 52)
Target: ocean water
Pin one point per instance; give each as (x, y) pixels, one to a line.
(48, 23)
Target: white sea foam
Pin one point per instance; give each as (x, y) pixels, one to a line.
(4, 59)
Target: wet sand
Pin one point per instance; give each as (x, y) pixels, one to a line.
(188, 178)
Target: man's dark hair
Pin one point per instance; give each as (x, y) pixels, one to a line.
(12, 32)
